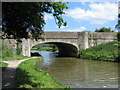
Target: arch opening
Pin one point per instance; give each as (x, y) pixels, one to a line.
(63, 49)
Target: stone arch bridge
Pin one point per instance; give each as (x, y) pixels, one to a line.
(68, 43)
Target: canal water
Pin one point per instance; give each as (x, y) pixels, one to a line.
(78, 73)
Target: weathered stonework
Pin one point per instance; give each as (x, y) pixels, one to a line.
(11, 43)
(96, 38)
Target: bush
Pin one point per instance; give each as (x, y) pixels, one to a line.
(100, 52)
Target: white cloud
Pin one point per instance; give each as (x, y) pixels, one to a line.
(76, 29)
(99, 13)
(61, 27)
(48, 17)
(82, 28)
(97, 0)
(88, 0)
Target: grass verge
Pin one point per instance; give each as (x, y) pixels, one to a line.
(17, 57)
(3, 65)
(28, 76)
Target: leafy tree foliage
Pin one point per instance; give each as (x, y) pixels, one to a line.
(118, 36)
(20, 17)
(118, 23)
(45, 47)
(103, 29)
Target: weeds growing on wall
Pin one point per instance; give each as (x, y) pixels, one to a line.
(108, 51)
(8, 54)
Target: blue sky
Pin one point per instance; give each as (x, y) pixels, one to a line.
(86, 16)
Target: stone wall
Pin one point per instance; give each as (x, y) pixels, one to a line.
(10, 43)
(96, 38)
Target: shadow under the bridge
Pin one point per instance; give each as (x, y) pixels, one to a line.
(65, 49)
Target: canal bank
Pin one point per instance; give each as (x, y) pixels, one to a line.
(102, 52)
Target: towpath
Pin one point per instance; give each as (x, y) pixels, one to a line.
(8, 75)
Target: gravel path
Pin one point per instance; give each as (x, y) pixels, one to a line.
(8, 76)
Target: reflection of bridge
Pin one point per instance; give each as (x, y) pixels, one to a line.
(69, 42)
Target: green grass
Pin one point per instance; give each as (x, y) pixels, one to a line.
(2, 64)
(17, 57)
(28, 76)
(108, 51)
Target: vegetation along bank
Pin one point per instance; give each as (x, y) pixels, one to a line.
(108, 52)
(3, 65)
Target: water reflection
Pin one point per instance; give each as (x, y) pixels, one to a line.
(78, 73)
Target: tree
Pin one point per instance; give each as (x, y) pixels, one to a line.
(103, 29)
(20, 18)
(118, 23)
(118, 36)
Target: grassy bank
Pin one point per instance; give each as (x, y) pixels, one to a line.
(108, 51)
(17, 57)
(3, 65)
(28, 76)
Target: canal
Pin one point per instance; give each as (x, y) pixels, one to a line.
(78, 73)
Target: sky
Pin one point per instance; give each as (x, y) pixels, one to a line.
(86, 16)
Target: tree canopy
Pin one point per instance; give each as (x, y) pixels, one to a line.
(118, 25)
(20, 17)
(103, 29)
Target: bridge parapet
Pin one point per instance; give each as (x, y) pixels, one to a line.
(61, 35)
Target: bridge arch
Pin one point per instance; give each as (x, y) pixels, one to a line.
(65, 49)
(74, 41)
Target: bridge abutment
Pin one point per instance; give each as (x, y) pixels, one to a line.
(26, 47)
(82, 40)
